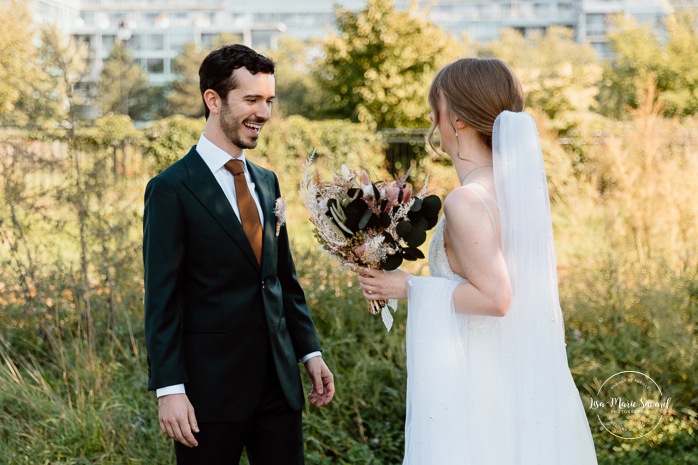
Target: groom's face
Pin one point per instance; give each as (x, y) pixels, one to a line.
(247, 107)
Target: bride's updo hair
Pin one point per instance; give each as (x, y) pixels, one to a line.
(476, 90)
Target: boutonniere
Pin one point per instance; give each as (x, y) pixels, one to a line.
(280, 213)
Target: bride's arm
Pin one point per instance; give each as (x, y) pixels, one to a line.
(476, 246)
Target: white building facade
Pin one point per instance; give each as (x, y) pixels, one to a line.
(157, 30)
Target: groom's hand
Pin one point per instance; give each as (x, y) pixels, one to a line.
(177, 419)
(323, 382)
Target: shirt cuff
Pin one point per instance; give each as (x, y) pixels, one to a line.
(168, 390)
(311, 355)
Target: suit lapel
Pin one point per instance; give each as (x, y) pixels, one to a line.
(203, 185)
(265, 191)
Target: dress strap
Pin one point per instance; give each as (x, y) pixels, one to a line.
(489, 212)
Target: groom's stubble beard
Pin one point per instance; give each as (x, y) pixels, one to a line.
(232, 127)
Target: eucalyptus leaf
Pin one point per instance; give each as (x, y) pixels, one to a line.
(416, 238)
(364, 221)
(392, 262)
(403, 228)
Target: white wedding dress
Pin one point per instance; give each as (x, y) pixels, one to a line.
(487, 390)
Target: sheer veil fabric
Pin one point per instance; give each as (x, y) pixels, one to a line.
(487, 390)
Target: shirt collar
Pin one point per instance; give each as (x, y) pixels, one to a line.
(214, 156)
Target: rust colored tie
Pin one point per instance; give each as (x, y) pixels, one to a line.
(249, 215)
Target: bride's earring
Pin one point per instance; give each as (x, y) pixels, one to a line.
(457, 149)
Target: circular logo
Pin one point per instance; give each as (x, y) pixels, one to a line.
(629, 405)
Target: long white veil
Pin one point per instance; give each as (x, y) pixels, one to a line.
(547, 416)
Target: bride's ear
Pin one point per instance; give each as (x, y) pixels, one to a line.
(460, 124)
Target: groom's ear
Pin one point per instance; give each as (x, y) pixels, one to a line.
(213, 101)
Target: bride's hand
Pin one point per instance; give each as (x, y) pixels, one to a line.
(383, 285)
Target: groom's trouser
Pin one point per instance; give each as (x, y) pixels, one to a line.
(272, 436)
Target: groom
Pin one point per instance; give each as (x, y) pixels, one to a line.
(226, 321)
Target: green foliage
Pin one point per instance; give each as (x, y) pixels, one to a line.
(170, 139)
(681, 94)
(365, 422)
(121, 81)
(185, 97)
(559, 76)
(378, 68)
(16, 52)
(297, 92)
(287, 143)
(48, 98)
(640, 55)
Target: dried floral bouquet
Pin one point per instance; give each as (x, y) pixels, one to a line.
(369, 224)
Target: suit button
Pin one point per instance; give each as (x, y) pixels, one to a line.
(263, 284)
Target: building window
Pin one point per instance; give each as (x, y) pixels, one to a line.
(108, 41)
(179, 39)
(541, 9)
(207, 40)
(155, 65)
(135, 42)
(154, 42)
(596, 25)
(150, 18)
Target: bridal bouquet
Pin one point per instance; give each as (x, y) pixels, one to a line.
(371, 224)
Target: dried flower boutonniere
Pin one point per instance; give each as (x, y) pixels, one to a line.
(280, 213)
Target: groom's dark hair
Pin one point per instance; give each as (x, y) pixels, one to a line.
(216, 71)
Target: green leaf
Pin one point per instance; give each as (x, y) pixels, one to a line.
(417, 205)
(364, 221)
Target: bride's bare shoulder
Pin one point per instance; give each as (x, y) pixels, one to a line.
(465, 211)
(461, 200)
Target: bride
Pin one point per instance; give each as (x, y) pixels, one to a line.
(487, 376)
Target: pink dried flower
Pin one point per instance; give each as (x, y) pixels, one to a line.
(406, 194)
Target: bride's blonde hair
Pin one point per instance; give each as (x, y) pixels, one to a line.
(476, 90)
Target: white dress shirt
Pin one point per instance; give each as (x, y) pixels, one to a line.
(215, 158)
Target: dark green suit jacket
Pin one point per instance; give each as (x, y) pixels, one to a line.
(215, 319)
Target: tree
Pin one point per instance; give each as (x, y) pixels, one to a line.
(297, 91)
(559, 76)
(121, 81)
(185, 96)
(637, 57)
(169, 139)
(681, 95)
(16, 52)
(378, 68)
(63, 62)
(49, 99)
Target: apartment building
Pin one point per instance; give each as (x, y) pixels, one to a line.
(156, 31)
